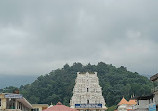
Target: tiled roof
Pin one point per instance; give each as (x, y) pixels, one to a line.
(59, 107)
(123, 101)
(132, 102)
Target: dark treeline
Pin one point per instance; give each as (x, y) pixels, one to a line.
(58, 84)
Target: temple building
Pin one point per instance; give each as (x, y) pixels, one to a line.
(125, 105)
(87, 93)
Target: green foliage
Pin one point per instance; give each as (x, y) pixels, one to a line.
(112, 108)
(9, 89)
(58, 84)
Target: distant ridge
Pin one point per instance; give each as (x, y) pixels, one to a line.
(16, 80)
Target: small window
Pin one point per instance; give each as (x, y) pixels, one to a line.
(0, 102)
(87, 101)
(138, 102)
(87, 89)
(36, 109)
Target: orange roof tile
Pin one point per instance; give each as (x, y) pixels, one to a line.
(59, 107)
(132, 102)
(129, 109)
(123, 101)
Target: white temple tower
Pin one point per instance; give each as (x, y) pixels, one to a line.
(87, 93)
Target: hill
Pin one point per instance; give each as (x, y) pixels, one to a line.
(58, 84)
(16, 80)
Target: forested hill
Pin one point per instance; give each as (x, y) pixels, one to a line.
(58, 84)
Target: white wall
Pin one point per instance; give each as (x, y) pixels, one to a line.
(122, 107)
(156, 97)
(143, 105)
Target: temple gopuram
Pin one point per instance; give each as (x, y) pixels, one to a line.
(87, 93)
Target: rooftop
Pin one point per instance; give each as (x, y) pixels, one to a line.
(130, 102)
(145, 97)
(59, 107)
(123, 101)
(154, 77)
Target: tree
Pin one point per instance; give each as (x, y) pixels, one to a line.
(58, 84)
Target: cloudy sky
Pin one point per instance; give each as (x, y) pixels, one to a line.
(37, 36)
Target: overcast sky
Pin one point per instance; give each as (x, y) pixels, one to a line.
(37, 36)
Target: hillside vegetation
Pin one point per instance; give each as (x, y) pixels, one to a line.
(58, 84)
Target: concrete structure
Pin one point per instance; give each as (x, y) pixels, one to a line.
(154, 79)
(87, 93)
(149, 103)
(145, 103)
(14, 102)
(39, 107)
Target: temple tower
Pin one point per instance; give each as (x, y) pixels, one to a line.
(87, 93)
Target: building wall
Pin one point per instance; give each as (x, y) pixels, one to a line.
(122, 107)
(12, 104)
(142, 110)
(143, 105)
(39, 107)
(131, 106)
(156, 97)
(3, 103)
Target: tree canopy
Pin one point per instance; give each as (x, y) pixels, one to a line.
(58, 84)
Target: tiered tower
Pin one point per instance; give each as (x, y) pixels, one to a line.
(87, 93)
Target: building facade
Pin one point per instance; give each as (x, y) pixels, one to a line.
(154, 79)
(14, 102)
(145, 103)
(39, 107)
(87, 93)
(150, 102)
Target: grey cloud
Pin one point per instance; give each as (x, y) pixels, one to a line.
(38, 36)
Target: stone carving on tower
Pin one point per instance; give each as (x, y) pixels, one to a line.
(87, 93)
